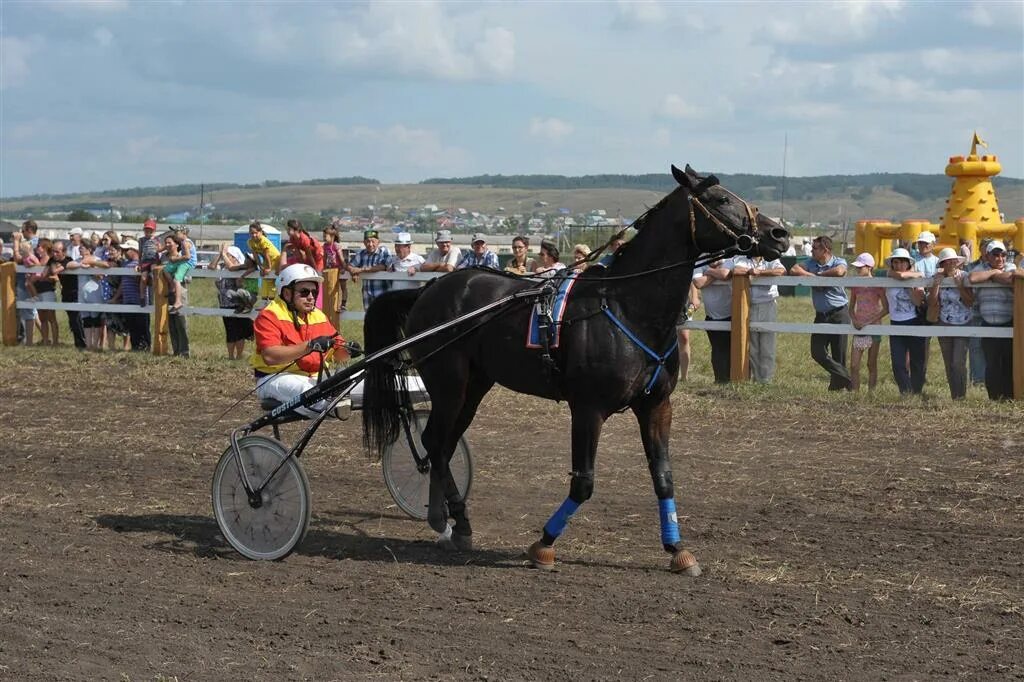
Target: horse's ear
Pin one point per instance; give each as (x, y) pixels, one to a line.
(706, 184)
(682, 177)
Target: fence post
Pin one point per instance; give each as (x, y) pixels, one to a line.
(739, 362)
(332, 297)
(1018, 338)
(160, 321)
(8, 303)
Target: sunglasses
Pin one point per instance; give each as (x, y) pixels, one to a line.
(307, 291)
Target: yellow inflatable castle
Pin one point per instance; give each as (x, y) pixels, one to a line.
(972, 212)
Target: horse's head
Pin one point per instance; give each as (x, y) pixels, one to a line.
(720, 219)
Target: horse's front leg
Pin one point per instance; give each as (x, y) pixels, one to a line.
(655, 419)
(586, 430)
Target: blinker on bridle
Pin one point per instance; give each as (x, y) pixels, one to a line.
(744, 242)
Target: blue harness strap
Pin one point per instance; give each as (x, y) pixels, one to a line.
(660, 359)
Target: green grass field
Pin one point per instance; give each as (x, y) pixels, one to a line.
(796, 374)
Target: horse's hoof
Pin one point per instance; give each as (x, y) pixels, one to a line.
(541, 556)
(445, 539)
(684, 562)
(462, 543)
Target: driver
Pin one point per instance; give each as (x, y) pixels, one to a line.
(292, 338)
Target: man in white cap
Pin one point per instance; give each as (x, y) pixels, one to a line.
(480, 256)
(445, 257)
(996, 307)
(405, 261)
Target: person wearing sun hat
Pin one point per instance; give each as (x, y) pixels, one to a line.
(405, 261)
(445, 257)
(907, 352)
(371, 258)
(867, 306)
(951, 306)
(996, 307)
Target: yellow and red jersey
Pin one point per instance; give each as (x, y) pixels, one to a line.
(274, 327)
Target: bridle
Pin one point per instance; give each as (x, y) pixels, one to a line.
(744, 242)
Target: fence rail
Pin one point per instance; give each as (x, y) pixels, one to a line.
(740, 325)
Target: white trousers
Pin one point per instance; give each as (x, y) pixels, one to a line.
(285, 386)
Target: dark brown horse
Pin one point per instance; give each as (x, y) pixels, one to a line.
(616, 351)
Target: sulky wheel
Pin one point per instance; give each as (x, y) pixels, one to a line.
(408, 485)
(271, 528)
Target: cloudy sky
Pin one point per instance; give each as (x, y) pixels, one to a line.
(101, 95)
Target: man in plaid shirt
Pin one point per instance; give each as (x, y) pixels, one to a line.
(479, 256)
(372, 258)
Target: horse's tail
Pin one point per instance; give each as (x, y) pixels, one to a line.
(385, 392)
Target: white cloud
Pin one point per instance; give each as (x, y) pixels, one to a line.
(831, 23)
(552, 129)
(674, 106)
(987, 14)
(103, 36)
(421, 39)
(631, 13)
(14, 60)
(326, 132)
(90, 5)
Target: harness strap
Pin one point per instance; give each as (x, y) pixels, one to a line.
(660, 359)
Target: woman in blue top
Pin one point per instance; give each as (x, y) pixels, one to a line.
(951, 306)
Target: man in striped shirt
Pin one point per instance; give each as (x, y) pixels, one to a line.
(372, 258)
(479, 256)
(996, 307)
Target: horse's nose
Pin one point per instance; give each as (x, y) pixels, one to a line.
(779, 234)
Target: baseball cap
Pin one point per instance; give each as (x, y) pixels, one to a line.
(403, 238)
(479, 237)
(443, 236)
(371, 234)
(995, 245)
(149, 225)
(130, 244)
(864, 259)
(75, 230)
(926, 237)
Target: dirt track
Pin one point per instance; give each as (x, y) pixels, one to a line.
(893, 558)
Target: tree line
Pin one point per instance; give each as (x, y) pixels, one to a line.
(917, 186)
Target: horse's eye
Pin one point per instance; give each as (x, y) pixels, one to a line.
(722, 201)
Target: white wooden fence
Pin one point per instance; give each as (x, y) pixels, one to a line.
(740, 324)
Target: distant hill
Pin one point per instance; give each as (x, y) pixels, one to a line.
(828, 199)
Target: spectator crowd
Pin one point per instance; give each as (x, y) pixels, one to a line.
(951, 299)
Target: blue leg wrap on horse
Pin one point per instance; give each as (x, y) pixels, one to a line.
(556, 524)
(669, 522)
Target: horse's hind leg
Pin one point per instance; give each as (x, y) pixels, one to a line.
(441, 437)
(586, 430)
(655, 420)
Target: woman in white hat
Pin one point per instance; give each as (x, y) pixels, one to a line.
(907, 352)
(950, 305)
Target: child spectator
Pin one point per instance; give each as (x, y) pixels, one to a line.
(180, 261)
(303, 247)
(334, 259)
(89, 291)
(25, 290)
(265, 257)
(44, 285)
(149, 256)
(868, 306)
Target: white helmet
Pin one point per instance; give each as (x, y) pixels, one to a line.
(299, 272)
